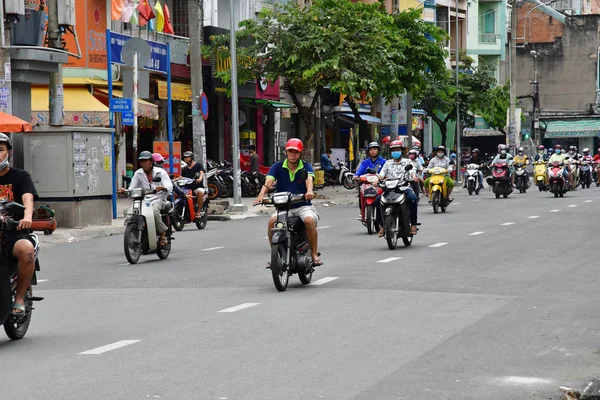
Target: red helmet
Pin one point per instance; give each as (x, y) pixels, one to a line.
(541, 147)
(396, 143)
(294, 144)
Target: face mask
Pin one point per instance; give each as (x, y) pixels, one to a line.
(440, 155)
(521, 153)
(396, 155)
(540, 152)
(4, 164)
(557, 151)
(503, 152)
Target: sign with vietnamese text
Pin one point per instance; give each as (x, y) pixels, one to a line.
(158, 56)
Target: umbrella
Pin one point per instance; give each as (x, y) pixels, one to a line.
(10, 123)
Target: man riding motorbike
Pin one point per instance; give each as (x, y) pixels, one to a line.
(562, 158)
(476, 159)
(503, 154)
(396, 168)
(375, 161)
(541, 155)
(295, 176)
(441, 160)
(195, 171)
(413, 156)
(142, 178)
(16, 185)
(572, 154)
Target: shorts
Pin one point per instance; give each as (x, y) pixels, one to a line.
(303, 212)
(199, 191)
(9, 240)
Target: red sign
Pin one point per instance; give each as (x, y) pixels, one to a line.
(162, 148)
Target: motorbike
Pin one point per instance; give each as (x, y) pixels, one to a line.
(140, 230)
(585, 174)
(574, 168)
(290, 251)
(557, 183)
(597, 172)
(472, 176)
(438, 192)
(500, 180)
(396, 213)
(540, 175)
(367, 196)
(345, 177)
(186, 208)
(15, 326)
(521, 177)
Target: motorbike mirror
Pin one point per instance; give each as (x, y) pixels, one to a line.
(408, 167)
(156, 179)
(371, 171)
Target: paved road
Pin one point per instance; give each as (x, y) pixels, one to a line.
(496, 299)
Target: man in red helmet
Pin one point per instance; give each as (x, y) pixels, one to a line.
(295, 176)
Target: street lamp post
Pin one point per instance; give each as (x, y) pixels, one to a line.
(458, 153)
(536, 99)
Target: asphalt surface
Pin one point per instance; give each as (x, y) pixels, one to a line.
(493, 311)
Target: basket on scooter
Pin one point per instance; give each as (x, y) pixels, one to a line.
(43, 220)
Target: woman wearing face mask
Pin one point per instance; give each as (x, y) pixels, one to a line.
(541, 155)
(413, 156)
(561, 158)
(503, 154)
(395, 168)
(442, 161)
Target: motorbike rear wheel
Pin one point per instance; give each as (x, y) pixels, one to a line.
(370, 219)
(435, 201)
(163, 252)
(17, 330)
(201, 222)
(133, 250)
(391, 234)
(178, 222)
(213, 190)
(279, 270)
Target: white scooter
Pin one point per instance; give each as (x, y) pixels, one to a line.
(345, 177)
(472, 176)
(140, 232)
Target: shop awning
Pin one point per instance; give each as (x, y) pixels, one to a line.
(572, 129)
(81, 108)
(475, 132)
(179, 91)
(268, 103)
(145, 109)
(365, 117)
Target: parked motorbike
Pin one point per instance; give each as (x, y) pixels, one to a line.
(140, 233)
(396, 212)
(557, 183)
(186, 208)
(500, 180)
(521, 177)
(540, 175)
(472, 176)
(367, 195)
(438, 191)
(15, 326)
(585, 174)
(346, 178)
(290, 251)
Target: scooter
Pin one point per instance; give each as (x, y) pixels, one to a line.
(585, 173)
(500, 180)
(521, 178)
(140, 233)
(540, 175)
(396, 213)
(574, 168)
(557, 183)
(186, 208)
(367, 195)
(15, 326)
(438, 191)
(472, 176)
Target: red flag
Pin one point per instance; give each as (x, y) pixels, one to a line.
(146, 12)
(168, 27)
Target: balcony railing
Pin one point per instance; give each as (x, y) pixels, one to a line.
(488, 38)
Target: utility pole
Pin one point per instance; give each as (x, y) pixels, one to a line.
(196, 17)
(55, 92)
(457, 99)
(409, 133)
(512, 136)
(394, 127)
(536, 101)
(235, 128)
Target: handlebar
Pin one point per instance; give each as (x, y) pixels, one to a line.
(297, 198)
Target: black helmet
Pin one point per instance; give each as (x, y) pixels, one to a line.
(145, 155)
(188, 154)
(5, 139)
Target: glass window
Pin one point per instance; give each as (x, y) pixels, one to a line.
(489, 21)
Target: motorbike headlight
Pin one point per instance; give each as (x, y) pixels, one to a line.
(390, 184)
(280, 199)
(137, 192)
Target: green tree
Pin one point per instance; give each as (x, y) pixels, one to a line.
(354, 48)
(493, 108)
(441, 96)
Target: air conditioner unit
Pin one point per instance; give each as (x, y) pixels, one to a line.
(66, 12)
(14, 7)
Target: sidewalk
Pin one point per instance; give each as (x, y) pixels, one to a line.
(218, 211)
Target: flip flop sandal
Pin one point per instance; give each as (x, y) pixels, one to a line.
(20, 307)
(317, 263)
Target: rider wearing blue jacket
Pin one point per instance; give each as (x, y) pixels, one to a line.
(375, 161)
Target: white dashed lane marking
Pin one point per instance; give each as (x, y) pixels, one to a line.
(573, 205)
(387, 260)
(476, 233)
(534, 217)
(239, 307)
(438, 244)
(588, 201)
(213, 248)
(324, 227)
(507, 223)
(323, 281)
(554, 210)
(109, 347)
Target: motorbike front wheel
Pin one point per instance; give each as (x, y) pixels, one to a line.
(471, 187)
(435, 201)
(278, 268)
(133, 249)
(370, 219)
(16, 330)
(391, 233)
(201, 222)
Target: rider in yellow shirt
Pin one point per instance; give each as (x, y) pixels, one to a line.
(521, 157)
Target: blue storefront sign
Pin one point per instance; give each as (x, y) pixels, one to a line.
(127, 118)
(159, 56)
(121, 105)
(387, 130)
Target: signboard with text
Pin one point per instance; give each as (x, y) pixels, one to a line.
(158, 56)
(162, 148)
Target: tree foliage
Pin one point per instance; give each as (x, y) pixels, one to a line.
(494, 105)
(353, 48)
(441, 96)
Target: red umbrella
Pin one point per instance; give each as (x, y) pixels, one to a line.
(11, 124)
